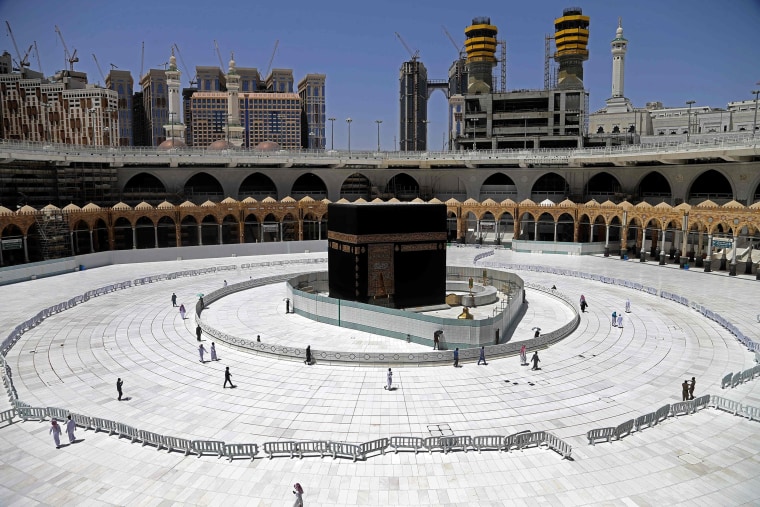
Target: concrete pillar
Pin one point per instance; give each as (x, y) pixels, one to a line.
(555, 231)
(708, 258)
(71, 239)
(220, 234)
(26, 250)
(607, 240)
(92, 243)
(134, 237)
(643, 249)
(591, 233)
(200, 235)
(662, 249)
(732, 267)
(280, 225)
(2, 263)
(155, 235)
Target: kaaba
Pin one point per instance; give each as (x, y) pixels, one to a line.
(391, 255)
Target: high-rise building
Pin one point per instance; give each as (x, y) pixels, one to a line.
(413, 98)
(122, 83)
(140, 124)
(156, 103)
(480, 46)
(571, 37)
(311, 89)
(280, 81)
(210, 79)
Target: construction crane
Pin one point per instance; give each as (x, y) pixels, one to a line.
(194, 79)
(271, 59)
(219, 54)
(142, 61)
(39, 62)
(414, 55)
(99, 69)
(72, 58)
(459, 49)
(22, 60)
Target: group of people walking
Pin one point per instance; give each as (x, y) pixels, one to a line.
(687, 389)
(56, 430)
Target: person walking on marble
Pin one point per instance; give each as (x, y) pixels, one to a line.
(627, 306)
(620, 320)
(308, 355)
(119, 383)
(456, 357)
(227, 377)
(685, 390)
(201, 351)
(174, 299)
(182, 311)
(56, 431)
(535, 360)
(298, 491)
(198, 332)
(225, 283)
(583, 304)
(691, 388)
(213, 352)
(70, 427)
(390, 380)
(614, 319)
(482, 358)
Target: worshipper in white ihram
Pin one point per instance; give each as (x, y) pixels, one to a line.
(620, 321)
(182, 311)
(56, 431)
(627, 306)
(201, 351)
(390, 380)
(213, 352)
(70, 426)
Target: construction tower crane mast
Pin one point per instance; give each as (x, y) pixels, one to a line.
(459, 49)
(71, 58)
(271, 58)
(194, 79)
(414, 55)
(37, 52)
(219, 54)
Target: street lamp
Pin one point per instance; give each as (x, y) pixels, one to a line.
(332, 133)
(349, 120)
(378, 133)
(754, 121)
(688, 129)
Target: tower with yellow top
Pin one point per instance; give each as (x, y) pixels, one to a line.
(480, 46)
(571, 38)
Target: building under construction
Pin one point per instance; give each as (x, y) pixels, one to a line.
(482, 113)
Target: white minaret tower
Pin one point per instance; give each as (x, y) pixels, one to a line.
(175, 129)
(619, 48)
(234, 129)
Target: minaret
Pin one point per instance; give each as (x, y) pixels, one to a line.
(175, 129)
(619, 48)
(234, 129)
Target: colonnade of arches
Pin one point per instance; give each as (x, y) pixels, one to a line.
(653, 187)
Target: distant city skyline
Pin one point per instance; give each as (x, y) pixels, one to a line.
(677, 52)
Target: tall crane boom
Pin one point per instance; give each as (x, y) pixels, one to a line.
(39, 62)
(194, 79)
(459, 49)
(219, 54)
(71, 58)
(99, 69)
(414, 55)
(271, 59)
(21, 59)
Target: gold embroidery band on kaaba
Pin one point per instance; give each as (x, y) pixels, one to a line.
(363, 239)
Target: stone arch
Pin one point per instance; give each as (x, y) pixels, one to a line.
(309, 184)
(209, 230)
(403, 187)
(144, 187)
(655, 188)
(258, 186)
(188, 231)
(167, 232)
(100, 236)
(251, 229)
(122, 234)
(498, 187)
(602, 186)
(471, 227)
(550, 186)
(451, 226)
(145, 233)
(356, 186)
(289, 227)
(712, 185)
(230, 229)
(14, 255)
(270, 229)
(506, 222)
(203, 187)
(311, 227)
(80, 231)
(565, 228)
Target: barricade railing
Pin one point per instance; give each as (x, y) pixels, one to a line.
(312, 447)
(644, 421)
(58, 413)
(37, 413)
(720, 403)
(203, 447)
(558, 445)
(82, 421)
(150, 438)
(100, 424)
(126, 431)
(488, 442)
(281, 448)
(178, 444)
(241, 450)
(726, 382)
(600, 433)
(407, 443)
(751, 413)
(682, 408)
(7, 415)
(380, 444)
(344, 449)
(624, 429)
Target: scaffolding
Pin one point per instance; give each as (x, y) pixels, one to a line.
(503, 66)
(53, 227)
(550, 73)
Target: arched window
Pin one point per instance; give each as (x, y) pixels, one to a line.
(600, 130)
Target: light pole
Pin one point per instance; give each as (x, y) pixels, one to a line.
(378, 133)
(688, 129)
(754, 121)
(426, 123)
(332, 133)
(349, 120)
